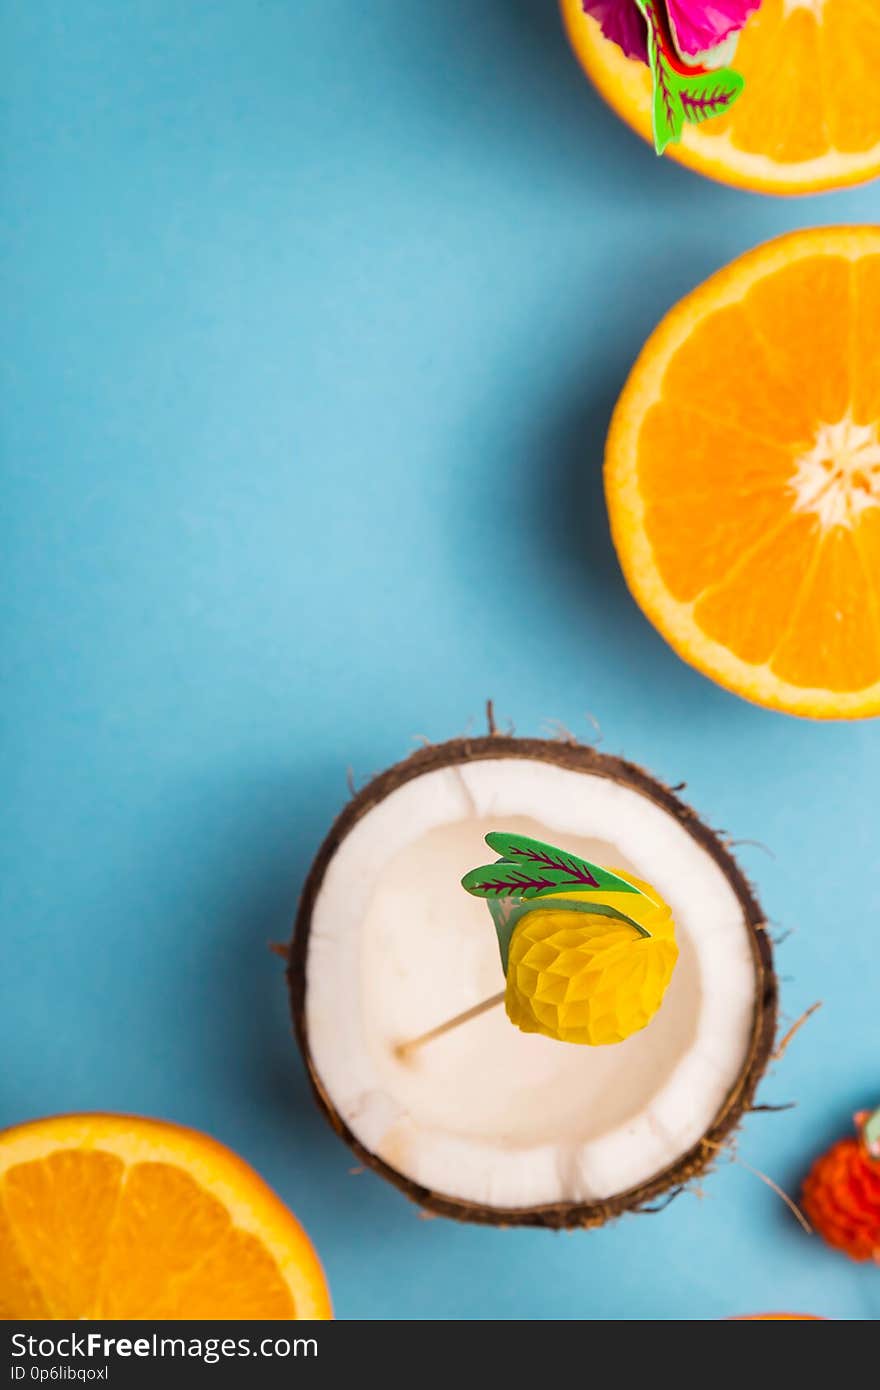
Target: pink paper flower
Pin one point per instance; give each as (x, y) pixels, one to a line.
(699, 25)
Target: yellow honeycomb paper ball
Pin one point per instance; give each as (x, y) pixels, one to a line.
(586, 978)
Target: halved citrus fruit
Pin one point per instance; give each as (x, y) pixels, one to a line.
(743, 475)
(111, 1216)
(809, 118)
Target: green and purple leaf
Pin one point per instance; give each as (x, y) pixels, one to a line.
(668, 110)
(530, 869)
(709, 94)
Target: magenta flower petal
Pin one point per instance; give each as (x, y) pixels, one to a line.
(698, 25)
(622, 22)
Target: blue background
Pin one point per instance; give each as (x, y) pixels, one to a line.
(314, 315)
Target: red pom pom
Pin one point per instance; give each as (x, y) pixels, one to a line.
(841, 1198)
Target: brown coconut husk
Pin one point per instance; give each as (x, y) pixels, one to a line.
(578, 758)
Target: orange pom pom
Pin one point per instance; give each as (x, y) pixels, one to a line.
(841, 1198)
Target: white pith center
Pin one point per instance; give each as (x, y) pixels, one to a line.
(839, 478)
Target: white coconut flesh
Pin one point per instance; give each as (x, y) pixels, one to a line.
(487, 1114)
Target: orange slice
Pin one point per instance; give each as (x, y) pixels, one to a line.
(743, 475)
(106, 1216)
(809, 118)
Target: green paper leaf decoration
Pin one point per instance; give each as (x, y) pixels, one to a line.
(681, 96)
(504, 880)
(709, 94)
(530, 870)
(543, 860)
(668, 110)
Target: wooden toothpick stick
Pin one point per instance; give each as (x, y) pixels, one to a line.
(405, 1049)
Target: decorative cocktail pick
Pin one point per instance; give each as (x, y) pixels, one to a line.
(841, 1194)
(687, 44)
(587, 952)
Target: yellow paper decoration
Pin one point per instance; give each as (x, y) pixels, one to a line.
(584, 978)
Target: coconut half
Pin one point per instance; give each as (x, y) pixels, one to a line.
(486, 1123)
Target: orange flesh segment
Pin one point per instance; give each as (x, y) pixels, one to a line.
(773, 54)
(193, 1255)
(725, 361)
(61, 1210)
(750, 611)
(850, 48)
(866, 340)
(238, 1279)
(102, 1241)
(688, 503)
(804, 316)
(83, 1233)
(836, 641)
(869, 549)
(19, 1295)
